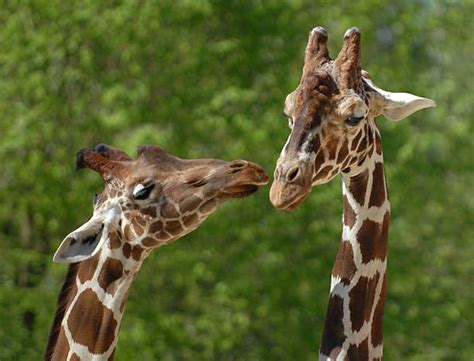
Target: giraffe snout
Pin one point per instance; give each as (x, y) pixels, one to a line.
(291, 173)
(254, 172)
(291, 185)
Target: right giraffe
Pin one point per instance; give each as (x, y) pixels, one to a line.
(333, 131)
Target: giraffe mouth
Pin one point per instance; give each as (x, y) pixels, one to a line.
(241, 191)
(286, 196)
(294, 204)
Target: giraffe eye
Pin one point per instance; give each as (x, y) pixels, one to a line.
(353, 121)
(141, 192)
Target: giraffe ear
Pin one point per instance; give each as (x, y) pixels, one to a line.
(400, 105)
(82, 243)
(396, 106)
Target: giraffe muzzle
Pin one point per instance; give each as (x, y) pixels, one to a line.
(291, 185)
(246, 178)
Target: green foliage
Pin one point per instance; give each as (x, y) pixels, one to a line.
(207, 79)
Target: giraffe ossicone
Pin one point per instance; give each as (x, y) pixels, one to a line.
(333, 131)
(147, 202)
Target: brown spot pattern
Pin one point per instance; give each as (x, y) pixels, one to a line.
(331, 147)
(360, 352)
(189, 204)
(319, 159)
(128, 233)
(127, 250)
(316, 143)
(164, 235)
(100, 331)
(362, 145)
(208, 206)
(378, 145)
(323, 173)
(372, 238)
(356, 139)
(115, 241)
(169, 211)
(349, 214)
(344, 267)
(150, 211)
(75, 358)
(377, 322)
(345, 164)
(333, 334)
(140, 221)
(61, 349)
(137, 228)
(66, 295)
(87, 268)
(362, 297)
(190, 219)
(173, 227)
(156, 227)
(370, 136)
(358, 186)
(150, 242)
(343, 152)
(137, 252)
(377, 197)
(111, 272)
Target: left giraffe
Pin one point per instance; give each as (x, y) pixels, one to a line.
(147, 202)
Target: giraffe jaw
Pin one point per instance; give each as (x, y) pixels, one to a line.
(286, 196)
(242, 191)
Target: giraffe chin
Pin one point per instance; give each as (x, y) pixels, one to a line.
(294, 204)
(241, 191)
(284, 200)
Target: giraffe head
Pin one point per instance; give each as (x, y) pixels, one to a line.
(331, 117)
(153, 199)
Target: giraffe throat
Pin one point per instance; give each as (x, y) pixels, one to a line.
(93, 300)
(354, 321)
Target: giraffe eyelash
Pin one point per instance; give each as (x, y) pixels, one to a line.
(140, 193)
(353, 121)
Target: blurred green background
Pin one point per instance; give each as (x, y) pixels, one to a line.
(207, 78)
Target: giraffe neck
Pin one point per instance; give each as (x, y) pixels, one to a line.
(91, 304)
(353, 327)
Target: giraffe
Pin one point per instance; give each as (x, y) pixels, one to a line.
(333, 131)
(147, 202)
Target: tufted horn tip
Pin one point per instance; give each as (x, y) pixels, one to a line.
(80, 159)
(317, 52)
(319, 30)
(101, 148)
(351, 31)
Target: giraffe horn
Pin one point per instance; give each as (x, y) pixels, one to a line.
(348, 59)
(91, 159)
(317, 48)
(111, 152)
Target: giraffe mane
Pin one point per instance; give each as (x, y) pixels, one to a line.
(62, 303)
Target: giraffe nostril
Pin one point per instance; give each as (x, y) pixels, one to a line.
(292, 174)
(197, 182)
(237, 166)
